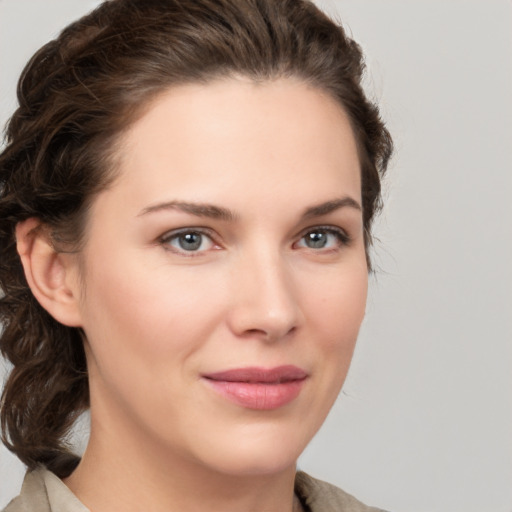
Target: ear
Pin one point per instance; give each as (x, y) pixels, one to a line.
(52, 276)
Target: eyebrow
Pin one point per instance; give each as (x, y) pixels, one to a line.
(330, 206)
(218, 212)
(197, 209)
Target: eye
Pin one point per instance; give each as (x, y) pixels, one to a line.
(188, 241)
(323, 238)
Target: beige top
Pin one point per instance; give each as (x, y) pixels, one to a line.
(42, 491)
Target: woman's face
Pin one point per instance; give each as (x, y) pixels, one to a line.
(224, 276)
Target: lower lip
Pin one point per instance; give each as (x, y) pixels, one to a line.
(258, 395)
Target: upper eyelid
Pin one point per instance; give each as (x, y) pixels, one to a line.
(195, 229)
(203, 230)
(324, 227)
(164, 241)
(344, 238)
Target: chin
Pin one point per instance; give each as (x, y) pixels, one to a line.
(242, 464)
(256, 452)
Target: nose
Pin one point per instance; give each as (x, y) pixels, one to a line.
(265, 300)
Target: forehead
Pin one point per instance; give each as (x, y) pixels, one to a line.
(235, 135)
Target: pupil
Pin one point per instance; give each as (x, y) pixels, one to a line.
(190, 241)
(317, 240)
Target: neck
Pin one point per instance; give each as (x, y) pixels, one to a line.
(134, 476)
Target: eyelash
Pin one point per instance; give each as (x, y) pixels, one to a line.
(174, 235)
(343, 239)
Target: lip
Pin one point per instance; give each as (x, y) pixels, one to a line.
(258, 388)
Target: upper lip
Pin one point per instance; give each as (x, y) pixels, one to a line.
(255, 374)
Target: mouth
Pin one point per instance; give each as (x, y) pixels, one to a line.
(258, 388)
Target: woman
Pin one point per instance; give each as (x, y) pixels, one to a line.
(187, 196)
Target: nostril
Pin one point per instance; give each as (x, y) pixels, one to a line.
(271, 335)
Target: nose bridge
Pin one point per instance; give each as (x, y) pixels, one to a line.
(265, 300)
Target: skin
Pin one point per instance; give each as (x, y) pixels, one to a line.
(256, 293)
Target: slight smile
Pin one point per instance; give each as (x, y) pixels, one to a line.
(259, 388)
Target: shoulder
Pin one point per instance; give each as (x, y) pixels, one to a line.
(42, 491)
(321, 496)
(33, 494)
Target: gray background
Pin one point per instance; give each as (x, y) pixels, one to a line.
(425, 419)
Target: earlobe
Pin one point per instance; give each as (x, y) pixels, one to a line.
(51, 275)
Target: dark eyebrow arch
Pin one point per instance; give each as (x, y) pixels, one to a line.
(218, 212)
(330, 206)
(198, 209)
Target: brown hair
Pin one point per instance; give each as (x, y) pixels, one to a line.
(76, 96)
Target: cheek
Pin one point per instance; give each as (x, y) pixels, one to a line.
(335, 316)
(146, 312)
(338, 308)
(142, 332)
